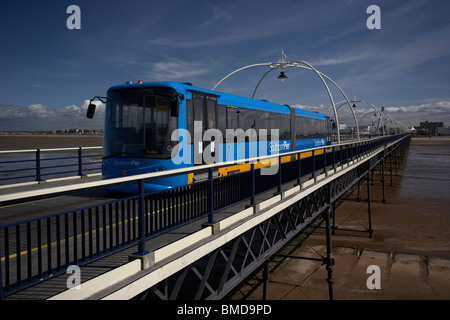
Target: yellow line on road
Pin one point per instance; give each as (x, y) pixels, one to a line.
(24, 252)
(18, 204)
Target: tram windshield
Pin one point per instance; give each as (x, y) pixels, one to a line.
(138, 123)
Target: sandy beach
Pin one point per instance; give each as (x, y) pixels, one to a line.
(410, 242)
(14, 142)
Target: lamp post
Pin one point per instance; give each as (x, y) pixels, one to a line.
(283, 64)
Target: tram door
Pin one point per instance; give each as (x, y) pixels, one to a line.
(204, 114)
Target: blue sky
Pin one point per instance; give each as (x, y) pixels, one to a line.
(48, 71)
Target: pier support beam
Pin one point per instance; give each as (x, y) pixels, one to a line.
(382, 181)
(329, 260)
(390, 167)
(369, 208)
(266, 279)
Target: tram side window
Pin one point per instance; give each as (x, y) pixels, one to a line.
(233, 114)
(242, 118)
(189, 117)
(301, 127)
(308, 128)
(298, 128)
(262, 122)
(327, 127)
(198, 109)
(314, 128)
(273, 123)
(222, 118)
(248, 119)
(323, 129)
(271, 120)
(285, 123)
(210, 113)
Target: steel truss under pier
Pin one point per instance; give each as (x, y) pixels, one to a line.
(217, 273)
(220, 271)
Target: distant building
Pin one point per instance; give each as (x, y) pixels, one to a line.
(442, 131)
(431, 125)
(429, 128)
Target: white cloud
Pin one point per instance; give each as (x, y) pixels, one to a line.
(337, 60)
(40, 117)
(218, 14)
(408, 115)
(430, 109)
(175, 69)
(40, 111)
(80, 112)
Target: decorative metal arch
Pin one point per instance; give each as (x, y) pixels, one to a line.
(283, 64)
(376, 110)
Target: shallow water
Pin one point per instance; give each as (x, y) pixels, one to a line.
(426, 173)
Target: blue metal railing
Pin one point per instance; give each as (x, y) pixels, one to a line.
(39, 248)
(21, 166)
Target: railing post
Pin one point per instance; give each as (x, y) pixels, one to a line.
(352, 149)
(141, 215)
(279, 175)
(211, 196)
(299, 180)
(314, 165)
(1, 277)
(334, 159)
(38, 165)
(346, 153)
(252, 201)
(80, 162)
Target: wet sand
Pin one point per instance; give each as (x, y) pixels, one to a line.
(410, 242)
(15, 142)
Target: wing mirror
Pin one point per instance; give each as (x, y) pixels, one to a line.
(90, 111)
(91, 108)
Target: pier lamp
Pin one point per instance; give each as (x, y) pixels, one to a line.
(282, 76)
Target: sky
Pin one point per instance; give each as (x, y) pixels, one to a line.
(48, 72)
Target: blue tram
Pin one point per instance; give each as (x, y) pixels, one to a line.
(159, 126)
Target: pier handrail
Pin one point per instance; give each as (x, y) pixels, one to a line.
(35, 168)
(163, 174)
(48, 149)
